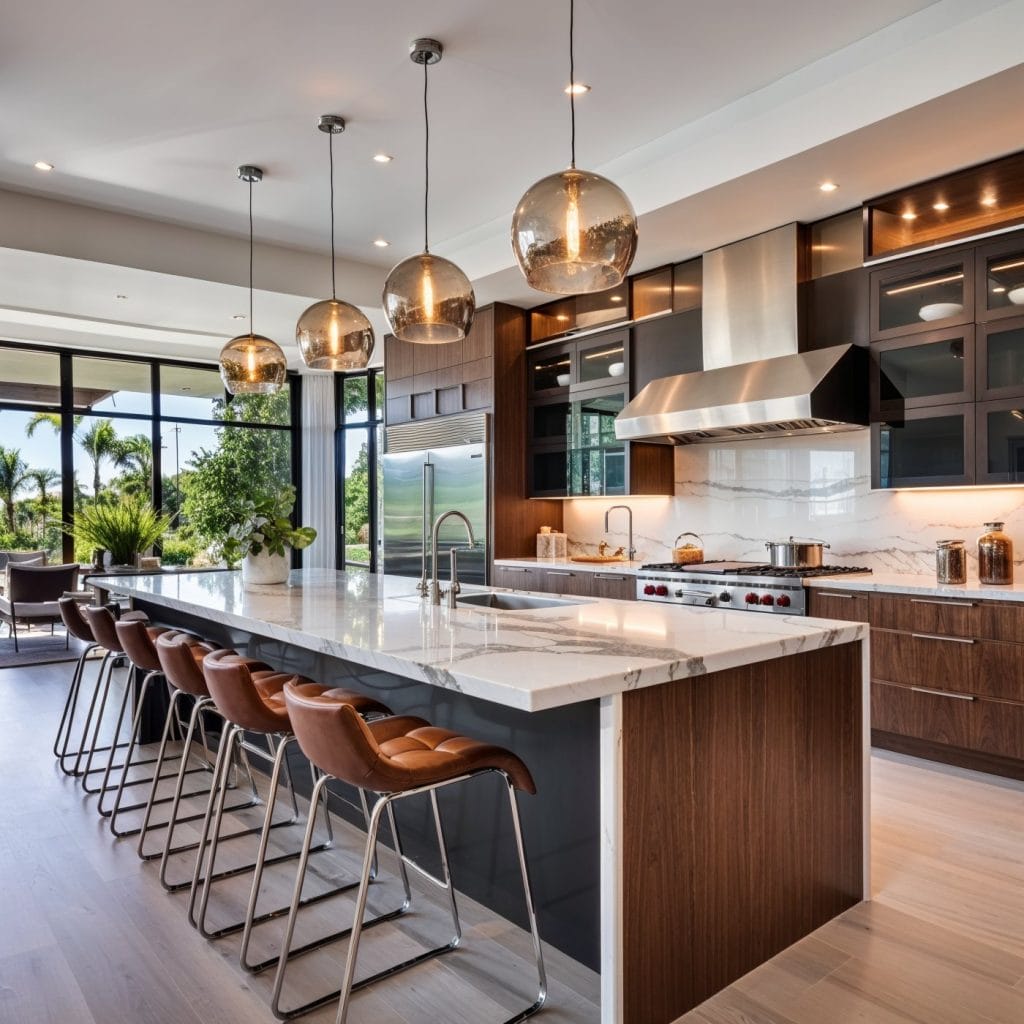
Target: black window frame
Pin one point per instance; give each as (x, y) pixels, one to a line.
(67, 412)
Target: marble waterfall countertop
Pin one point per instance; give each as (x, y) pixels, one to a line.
(533, 660)
(921, 584)
(622, 567)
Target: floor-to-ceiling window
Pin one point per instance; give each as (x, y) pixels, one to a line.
(134, 429)
(360, 405)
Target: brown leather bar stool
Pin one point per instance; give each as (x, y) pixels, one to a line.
(100, 622)
(181, 657)
(251, 701)
(397, 758)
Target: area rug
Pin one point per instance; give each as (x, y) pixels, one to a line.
(38, 648)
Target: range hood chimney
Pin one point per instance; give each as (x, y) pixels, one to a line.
(758, 378)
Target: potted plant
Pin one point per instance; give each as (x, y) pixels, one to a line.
(123, 529)
(262, 535)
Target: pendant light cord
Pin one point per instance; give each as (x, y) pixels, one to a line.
(572, 83)
(251, 331)
(334, 258)
(426, 162)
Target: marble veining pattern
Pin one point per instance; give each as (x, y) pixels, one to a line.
(737, 496)
(922, 585)
(533, 660)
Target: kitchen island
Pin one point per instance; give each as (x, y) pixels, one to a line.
(701, 776)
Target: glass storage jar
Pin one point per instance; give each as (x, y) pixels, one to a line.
(951, 561)
(995, 556)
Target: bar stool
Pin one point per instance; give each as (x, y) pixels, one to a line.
(251, 701)
(86, 617)
(397, 758)
(181, 657)
(76, 626)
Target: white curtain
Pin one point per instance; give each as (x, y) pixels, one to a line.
(318, 422)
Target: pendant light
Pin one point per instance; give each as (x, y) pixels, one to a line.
(251, 364)
(427, 299)
(574, 231)
(334, 335)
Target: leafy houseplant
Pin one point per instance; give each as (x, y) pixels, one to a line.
(260, 535)
(124, 529)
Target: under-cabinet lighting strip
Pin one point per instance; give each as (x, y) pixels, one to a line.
(924, 284)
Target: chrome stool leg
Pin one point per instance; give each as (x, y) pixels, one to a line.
(67, 718)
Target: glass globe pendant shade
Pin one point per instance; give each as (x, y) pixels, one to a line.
(428, 300)
(334, 335)
(252, 365)
(574, 232)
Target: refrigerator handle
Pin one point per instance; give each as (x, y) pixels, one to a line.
(428, 504)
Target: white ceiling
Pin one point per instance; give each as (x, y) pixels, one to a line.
(718, 119)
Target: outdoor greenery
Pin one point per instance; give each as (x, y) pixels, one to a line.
(265, 524)
(124, 528)
(201, 501)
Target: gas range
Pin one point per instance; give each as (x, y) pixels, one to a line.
(739, 586)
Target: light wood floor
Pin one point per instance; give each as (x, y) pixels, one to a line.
(942, 942)
(87, 936)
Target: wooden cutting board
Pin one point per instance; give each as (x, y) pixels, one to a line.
(600, 559)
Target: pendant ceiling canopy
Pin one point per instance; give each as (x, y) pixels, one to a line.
(427, 299)
(332, 334)
(574, 231)
(252, 364)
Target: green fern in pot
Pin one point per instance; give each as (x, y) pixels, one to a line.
(124, 529)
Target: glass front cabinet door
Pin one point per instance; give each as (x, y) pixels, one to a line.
(1000, 436)
(936, 368)
(924, 448)
(921, 295)
(597, 459)
(1000, 359)
(1000, 280)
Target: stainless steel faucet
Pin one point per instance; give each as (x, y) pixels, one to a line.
(629, 512)
(435, 585)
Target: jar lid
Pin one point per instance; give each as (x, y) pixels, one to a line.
(947, 543)
(994, 526)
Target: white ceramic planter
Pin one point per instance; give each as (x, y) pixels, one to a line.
(266, 568)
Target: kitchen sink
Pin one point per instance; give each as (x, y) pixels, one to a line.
(511, 602)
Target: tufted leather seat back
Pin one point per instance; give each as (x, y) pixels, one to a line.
(390, 755)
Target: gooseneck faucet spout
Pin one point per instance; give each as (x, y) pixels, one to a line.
(629, 512)
(435, 586)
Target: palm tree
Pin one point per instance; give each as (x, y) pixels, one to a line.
(43, 478)
(135, 456)
(100, 443)
(13, 470)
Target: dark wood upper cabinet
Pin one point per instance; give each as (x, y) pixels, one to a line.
(666, 346)
(1000, 359)
(923, 370)
(999, 284)
(999, 432)
(924, 448)
(914, 296)
(836, 309)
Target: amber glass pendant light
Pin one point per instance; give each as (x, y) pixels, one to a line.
(334, 335)
(427, 299)
(252, 364)
(574, 231)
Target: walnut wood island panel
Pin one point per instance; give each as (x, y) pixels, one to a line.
(701, 774)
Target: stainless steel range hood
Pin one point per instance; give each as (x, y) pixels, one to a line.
(757, 379)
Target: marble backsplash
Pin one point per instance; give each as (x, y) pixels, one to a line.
(814, 487)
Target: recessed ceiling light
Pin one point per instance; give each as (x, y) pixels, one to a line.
(576, 89)
(237, 316)
(616, 298)
(42, 165)
(941, 206)
(185, 387)
(988, 200)
(828, 186)
(561, 318)
(909, 215)
(383, 158)
(381, 243)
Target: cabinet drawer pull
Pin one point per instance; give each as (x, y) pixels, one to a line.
(845, 597)
(951, 604)
(943, 693)
(946, 639)
(610, 576)
(559, 572)
(513, 568)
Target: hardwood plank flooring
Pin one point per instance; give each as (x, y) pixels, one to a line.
(942, 941)
(88, 936)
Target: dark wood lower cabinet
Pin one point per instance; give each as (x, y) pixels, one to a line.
(571, 582)
(849, 605)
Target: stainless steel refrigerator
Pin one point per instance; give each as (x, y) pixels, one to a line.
(428, 468)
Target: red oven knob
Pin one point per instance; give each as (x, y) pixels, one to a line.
(782, 600)
(767, 599)
(649, 589)
(661, 590)
(751, 599)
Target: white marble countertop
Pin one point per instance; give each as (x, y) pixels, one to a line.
(919, 583)
(568, 563)
(533, 660)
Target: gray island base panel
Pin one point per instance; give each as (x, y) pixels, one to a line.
(701, 776)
